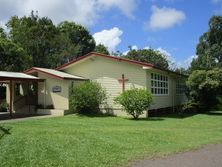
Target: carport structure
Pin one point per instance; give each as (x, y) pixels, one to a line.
(11, 77)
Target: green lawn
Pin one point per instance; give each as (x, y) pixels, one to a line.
(102, 141)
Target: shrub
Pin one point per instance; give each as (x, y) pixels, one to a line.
(87, 97)
(189, 107)
(219, 105)
(135, 101)
(3, 107)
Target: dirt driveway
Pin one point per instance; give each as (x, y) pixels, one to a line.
(208, 156)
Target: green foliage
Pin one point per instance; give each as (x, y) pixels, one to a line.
(87, 97)
(182, 71)
(36, 36)
(3, 106)
(205, 86)
(49, 45)
(101, 49)
(209, 48)
(149, 56)
(189, 107)
(79, 39)
(135, 101)
(2, 33)
(13, 57)
(219, 105)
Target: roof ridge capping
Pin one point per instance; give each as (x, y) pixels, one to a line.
(61, 67)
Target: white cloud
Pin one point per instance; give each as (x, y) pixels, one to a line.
(2, 24)
(82, 12)
(85, 12)
(186, 63)
(166, 54)
(125, 53)
(163, 18)
(134, 47)
(125, 6)
(169, 57)
(110, 38)
(146, 47)
(216, 1)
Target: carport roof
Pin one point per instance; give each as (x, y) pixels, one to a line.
(54, 73)
(5, 75)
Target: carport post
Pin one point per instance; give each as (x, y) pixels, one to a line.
(10, 105)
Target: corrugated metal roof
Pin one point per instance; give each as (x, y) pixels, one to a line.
(55, 73)
(16, 75)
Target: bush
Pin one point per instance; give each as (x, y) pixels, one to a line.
(135, 101)
(219, 105)
(3, 107)
(87, 97)
(189, 107)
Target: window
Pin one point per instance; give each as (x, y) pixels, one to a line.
(180, 87)
(159, 84)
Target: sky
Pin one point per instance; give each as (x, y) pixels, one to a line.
(172, 27)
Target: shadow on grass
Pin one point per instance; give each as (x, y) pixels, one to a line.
(146, 119)
(187, 115)
(4, 131)
(214, 113)
(177, 115)
(100, 115)
(164, 116)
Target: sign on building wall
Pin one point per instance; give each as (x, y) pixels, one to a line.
(56, 89)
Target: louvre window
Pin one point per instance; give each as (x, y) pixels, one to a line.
(180, 87)
(159, 84)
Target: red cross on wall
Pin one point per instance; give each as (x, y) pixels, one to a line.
(123, 80)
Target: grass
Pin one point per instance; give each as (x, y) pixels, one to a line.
(102, 141)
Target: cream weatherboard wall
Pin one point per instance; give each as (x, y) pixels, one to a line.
(161, 101)
(107, 72)
(47, 97)
(171, 99)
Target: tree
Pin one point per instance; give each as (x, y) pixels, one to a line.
(81, 41)
(2, 33)
(209, 48)
(37, 36)
(148, 56)
(182, 70)
(47, 44)
(101, 49)
(13, 57)
(204, 87)
(87, 97)
(135, 101)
